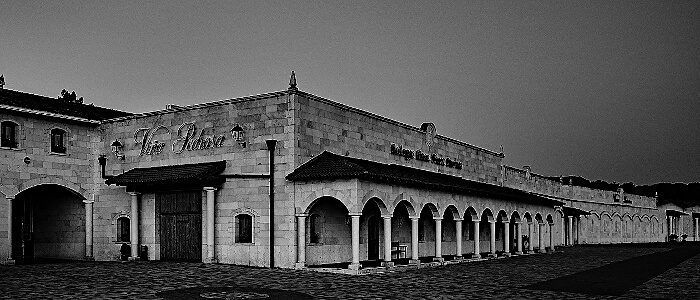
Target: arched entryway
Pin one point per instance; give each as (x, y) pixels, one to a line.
(48, 222)
(328, 233)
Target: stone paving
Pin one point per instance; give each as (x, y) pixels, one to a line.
(491, 279)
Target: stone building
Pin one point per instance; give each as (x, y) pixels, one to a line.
(284, 179)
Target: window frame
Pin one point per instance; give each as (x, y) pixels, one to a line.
(121, 232)
(237, 228)
(54, 146)
(13, 140)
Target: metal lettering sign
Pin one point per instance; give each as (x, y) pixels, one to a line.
(186, 138)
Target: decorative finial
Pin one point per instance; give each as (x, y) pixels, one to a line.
(2, 81)
(293, 82)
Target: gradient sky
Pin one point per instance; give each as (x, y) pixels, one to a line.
(601, 89)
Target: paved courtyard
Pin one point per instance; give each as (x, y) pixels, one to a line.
(493, 279)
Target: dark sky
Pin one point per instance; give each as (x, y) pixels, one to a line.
(602, 89)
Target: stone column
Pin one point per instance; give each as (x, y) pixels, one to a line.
(492, 228)
(569, 232)
(414, 240)
(696, 229)
(563, 230)
(387, 241)
(477, 247)
(355, 265)
(551, 237)
(301, 241)
(519, 238)
(438, 239)
(9, 228)
(134, 226)
(458, 237)
(211, 238)
(530, 246)
(506, 238)
(88, 229)
(540, 238)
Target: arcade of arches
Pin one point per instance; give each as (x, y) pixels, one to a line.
(409, 232)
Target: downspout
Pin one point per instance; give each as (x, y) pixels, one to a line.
(271, 147)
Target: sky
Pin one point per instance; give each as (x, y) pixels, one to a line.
(605, 90)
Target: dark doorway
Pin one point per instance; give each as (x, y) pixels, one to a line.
(180, 218)
(373, 224)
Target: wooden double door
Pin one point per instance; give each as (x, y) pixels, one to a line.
(180, 218)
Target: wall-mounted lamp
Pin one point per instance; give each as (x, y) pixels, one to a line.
(238, 135)
(117, 149)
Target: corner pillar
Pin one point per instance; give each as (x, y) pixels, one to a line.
(134, 226)
(88, 230)
(10, 260)
(301, 241)
(211, 239)
(438, 239)
(355, 224)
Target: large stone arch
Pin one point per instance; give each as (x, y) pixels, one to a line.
(74, 188)
(378, 197)
(433, 209)
(314, 196)
(452, 211)
(407, 200)
(471, 213)
(487, 214)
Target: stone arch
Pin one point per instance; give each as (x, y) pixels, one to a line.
(502, 216)
(433, 209)
(527, 217)
(317, 200)
(52, 180)
(515, 216)
(471, 212)
(549, 219)
(378, 198)
(407, 200)
(487, 215)
(538, 218)
(452, 210)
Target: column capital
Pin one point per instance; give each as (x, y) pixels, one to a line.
(414, 217)
(386, 216)
(301, 215)
(134, 193)
(438, 219)
(355, 215)
(458, 219)
(88, 201)
(10, 197)
(209, 188)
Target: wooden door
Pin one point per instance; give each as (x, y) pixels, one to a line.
(373, 238)
(180, 216)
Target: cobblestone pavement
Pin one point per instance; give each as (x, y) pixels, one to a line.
(492, 279)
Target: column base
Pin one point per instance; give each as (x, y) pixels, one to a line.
(506, 254)
(476, 255)
(541, 251)
(356, 266)
(458, 258)
(550, 250)
(134, 258)
(438, 259)
(300, 265)
(414, 262)
(492, 255)
(388, 264)
(518, 253)
(210, 260)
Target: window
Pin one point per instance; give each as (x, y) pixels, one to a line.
(9, 135)
(57, 145)
(123, 229)
(244, 228)
(314, 229)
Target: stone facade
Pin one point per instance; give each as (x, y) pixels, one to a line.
(315, 222)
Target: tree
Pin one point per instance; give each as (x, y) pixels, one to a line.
(70, 97)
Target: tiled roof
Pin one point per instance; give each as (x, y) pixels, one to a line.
(174, 176)
(56, 106)
(332, 166)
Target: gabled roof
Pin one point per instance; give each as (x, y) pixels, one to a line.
(28, 103)
(175, 176)
(328, 165)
